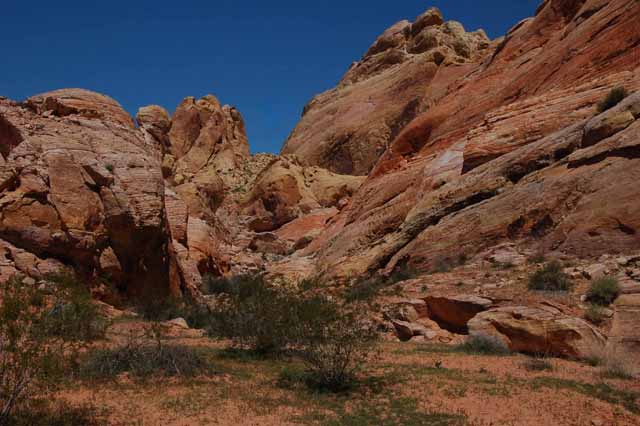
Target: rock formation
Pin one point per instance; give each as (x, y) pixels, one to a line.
(81, 187)
(347, 128)
(513, 150)
(286, 190)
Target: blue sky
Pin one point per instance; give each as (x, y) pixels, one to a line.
(266, 57)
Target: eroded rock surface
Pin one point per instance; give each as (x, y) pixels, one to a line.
(513, 150)
(347, 128)
(286, 190)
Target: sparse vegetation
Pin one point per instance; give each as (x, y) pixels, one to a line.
(550, 278)
(537, 259)
(481, 344)
(603, 291)
(44, 413)
(73, 316)
(601, 391)
(397, 412)
(110, 168)
(613, 98)
(331, 339)
(146, 356)
(254, 314)
(365, 290)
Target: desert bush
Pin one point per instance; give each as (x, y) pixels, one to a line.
(402, 273)
(603, 291)
(365, 290)
(595, 315)
(550, 278)
(537, 259)
(333, 341)
(482, 344)
(613, 98)
(254, 314)
(330, 337)
(618, 368)
(145, 356)
(613, 364)
(29, 362)
(537, 364)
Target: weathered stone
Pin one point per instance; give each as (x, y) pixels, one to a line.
(539, 330)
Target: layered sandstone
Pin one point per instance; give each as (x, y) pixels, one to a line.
(347, 128)
(514, 150)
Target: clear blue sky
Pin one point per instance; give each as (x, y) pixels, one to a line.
(266, 57)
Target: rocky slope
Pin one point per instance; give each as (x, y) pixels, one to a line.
(512, 150)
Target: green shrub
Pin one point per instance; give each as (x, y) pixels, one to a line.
(109, 167)
(614, 97)
(603, 291)
(254, 314)
(331, 339)
(550, 278)
(402, 273)
(481, 344)
(595, 315)
(365, 290)
(30, 363)
(537, 259)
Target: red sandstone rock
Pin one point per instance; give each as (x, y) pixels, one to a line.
(513, 150)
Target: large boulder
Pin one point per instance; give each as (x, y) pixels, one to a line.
(539, 330)
(496, 157)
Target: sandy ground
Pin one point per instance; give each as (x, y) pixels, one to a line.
(410, 381)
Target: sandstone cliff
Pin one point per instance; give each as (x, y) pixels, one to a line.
(512, 150)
